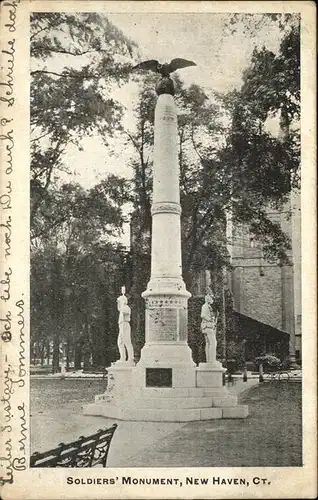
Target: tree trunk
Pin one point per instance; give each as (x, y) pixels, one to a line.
(48, 353)
(42, 354)
(34, 354)
(78, 357)
(68, 355)
(56, 354)
(86, 362)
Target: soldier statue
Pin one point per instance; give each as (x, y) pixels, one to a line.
(124, 337)
(209, 320)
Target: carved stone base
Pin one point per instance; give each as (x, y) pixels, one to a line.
(123, 364)
(208, 375)
(187, 393)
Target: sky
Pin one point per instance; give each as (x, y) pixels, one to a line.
(198, 37)
(220, 59)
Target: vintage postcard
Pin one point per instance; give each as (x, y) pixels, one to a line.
(158, 250)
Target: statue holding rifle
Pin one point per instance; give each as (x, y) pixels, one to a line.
(209, 319)
(124, 337)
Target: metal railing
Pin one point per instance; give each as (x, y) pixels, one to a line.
(84, 452)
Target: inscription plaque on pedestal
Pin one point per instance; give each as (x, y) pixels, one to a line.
(163, 324)
(158, 377)
(183, 324)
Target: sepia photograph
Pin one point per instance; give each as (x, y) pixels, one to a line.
(165, 239)
(164, 299)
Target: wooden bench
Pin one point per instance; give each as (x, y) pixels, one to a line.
(88, 451)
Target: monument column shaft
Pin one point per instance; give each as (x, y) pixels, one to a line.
(166, 164)
(166, 296)
(166, 234)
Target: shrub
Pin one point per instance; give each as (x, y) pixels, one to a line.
(269, 361)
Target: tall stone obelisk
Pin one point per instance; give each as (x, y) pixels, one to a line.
(166, 385)
(166, 296)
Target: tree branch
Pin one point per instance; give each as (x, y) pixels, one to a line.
(38, 32)
(182, 177)
(63, 75)
(57, 152)
(78, 52)
(195, 146)
(48, 228)
(134, 142)
(40, 137)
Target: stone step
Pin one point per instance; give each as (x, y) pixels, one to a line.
(172, 403)
(171, 392)
(239, 411)
(222, 400)
(164, 414)
(153, 415)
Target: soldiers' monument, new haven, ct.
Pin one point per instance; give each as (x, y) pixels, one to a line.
(166, 384)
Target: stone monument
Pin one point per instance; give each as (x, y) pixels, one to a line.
(166, 384)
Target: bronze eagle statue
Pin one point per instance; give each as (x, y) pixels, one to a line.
(164, 69)
(165, 84)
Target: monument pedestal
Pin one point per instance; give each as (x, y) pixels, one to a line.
(210, 375)
(183, 393)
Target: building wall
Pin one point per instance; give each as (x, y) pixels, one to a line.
(263, 290)
(258, 296)
(296, 240)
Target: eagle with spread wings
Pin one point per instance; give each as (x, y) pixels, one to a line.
(165, 84)
(166, 68)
